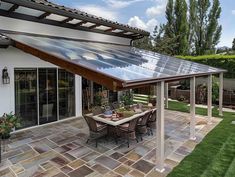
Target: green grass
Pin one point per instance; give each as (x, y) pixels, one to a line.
(215, 155)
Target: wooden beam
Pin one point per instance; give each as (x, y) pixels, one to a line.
(96, 76)
(94, 26)
(13, 8)
(109, 30)
(44, 15)
(66, 20)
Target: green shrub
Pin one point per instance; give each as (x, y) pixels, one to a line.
(226, 62)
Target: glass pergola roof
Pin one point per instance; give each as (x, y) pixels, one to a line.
(120, 66)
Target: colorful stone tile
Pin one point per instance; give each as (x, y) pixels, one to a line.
(107, 162)
(7, 173)
(101, 169)
(136, 173)
(90, 156)
(34, 161)
(77, 163)
(79, 152)
(59, 161)
(143, 166)
(66, 169)
(122, 170)
(17, 169)
(133, 156)
(81, 172)
(23, 156)
(116, 155)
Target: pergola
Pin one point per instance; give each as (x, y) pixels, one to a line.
(120, 67)
(45, 12)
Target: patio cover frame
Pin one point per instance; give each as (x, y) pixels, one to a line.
(117, 84)
(48, 8)
(111, 82)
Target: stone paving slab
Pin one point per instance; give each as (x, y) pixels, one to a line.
(60, 150)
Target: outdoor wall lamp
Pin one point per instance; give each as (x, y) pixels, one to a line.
(5, 76)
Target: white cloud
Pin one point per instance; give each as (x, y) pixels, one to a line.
(120, 3)
(233, 12)
(137, 22)
(100, 11)
(155, 10)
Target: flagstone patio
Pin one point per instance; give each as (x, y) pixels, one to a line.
(60, 150)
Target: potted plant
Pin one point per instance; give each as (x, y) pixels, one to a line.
(7, 123)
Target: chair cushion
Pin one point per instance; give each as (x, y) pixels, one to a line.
(124, 126)
(100, 126)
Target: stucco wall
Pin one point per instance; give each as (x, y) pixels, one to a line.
(43, 29)
(13, 58)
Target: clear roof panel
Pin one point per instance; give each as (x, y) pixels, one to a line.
(5, 5)
(28, 11)
(123, 62)
(56, 17)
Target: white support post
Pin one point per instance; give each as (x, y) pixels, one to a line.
(160, 127)
(221, 85)
(166, 95)
(92, 92)
(192, 108)
(209, 98)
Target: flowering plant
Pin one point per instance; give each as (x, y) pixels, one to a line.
(7, 123)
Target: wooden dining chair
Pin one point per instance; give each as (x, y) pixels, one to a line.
(151, 123)
(142, 124)
(97, 130)
(96, 110)
(115, 105)
(128, 129)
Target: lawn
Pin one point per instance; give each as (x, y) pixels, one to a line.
(215, 155)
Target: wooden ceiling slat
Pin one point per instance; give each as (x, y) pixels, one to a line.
(80, 23)
(94, 26)
(13, 8)
(109, 30)
(44, 15)
(66, 20)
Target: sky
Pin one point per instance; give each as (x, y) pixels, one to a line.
(146, 14)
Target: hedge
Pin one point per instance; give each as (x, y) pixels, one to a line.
(226, 62)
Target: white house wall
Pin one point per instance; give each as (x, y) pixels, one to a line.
(14, 58)
(43, 29)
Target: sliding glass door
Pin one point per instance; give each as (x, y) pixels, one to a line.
(47, 95)
(26, 96)
(44, 95)
(66, 89)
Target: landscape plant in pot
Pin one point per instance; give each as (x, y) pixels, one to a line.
(7, 123)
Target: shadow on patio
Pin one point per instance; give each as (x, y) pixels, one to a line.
(60, 150)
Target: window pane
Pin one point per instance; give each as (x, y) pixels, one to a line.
(26, 97)
(66, 84)
(47, 95)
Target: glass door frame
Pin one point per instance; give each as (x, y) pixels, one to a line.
(57, 89)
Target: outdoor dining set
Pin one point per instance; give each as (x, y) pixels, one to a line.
(129, 122)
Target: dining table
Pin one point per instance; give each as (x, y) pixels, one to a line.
(116, 121)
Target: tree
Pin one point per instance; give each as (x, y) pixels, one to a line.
(144, 43)
(233, 47)
(181, 27)
(191, 22)
(169, 27)
(163, 43)
(207, 29)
